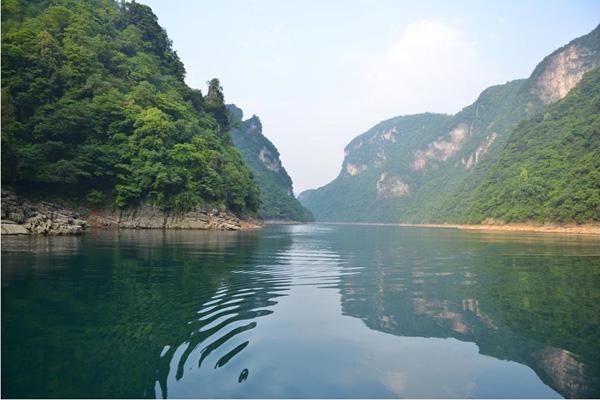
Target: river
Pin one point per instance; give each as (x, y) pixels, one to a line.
(301, 311)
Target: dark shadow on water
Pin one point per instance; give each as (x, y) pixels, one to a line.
(102, 315)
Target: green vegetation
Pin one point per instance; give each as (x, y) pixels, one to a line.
(430, 168)
(384, 149)
(95, 108)
(390, 149)
(550, 168)
(276, 190)
(445, 190)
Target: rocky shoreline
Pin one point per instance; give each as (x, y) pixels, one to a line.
(24, 216)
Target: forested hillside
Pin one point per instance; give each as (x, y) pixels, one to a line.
(424, 172)
(261, 156)
(376, 171)
(95, 108)
(405, 168)
(550, 167)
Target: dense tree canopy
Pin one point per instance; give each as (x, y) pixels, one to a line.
(550, 168)
(511, 156)
(94, 106)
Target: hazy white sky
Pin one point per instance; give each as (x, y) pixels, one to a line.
(319, 73)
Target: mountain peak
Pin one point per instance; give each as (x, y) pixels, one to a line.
(559, 72)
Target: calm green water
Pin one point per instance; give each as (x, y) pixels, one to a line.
(301, 311)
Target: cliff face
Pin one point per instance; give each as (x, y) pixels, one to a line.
(558, 73)
(402, 168)
(262, 157)
(422, 168)
(377, 173)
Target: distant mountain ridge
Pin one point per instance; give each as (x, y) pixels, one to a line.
(424, 167)
(262, 157)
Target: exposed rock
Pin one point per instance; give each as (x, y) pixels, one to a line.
(391, 186)
(152, 217)
(564, 370)
(262, 157)
(390, 134)
(354, 170)
(563, 72)
(479, 151)
(441, 149)
(22, 216)
(12, 228)
(270, 160)
(380, 158)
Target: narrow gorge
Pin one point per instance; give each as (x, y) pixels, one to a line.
(437, 168)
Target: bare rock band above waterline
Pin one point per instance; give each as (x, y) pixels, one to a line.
(24, 216)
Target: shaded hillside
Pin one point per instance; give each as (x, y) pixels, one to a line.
(261, 156)
(127, 339)
(95, 109)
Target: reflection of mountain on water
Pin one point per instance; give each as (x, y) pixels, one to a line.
(524, 308)
(126, 310)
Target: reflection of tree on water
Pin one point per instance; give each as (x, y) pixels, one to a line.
(539, 310)
(120, 308)
(221, 321)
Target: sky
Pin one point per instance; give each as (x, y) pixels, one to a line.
(319, 73)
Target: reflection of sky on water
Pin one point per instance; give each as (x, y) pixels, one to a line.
(301, 311)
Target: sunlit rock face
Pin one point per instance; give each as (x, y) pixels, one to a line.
(391, 186)
(479, 152)
(564, 71)
(442, 148)
(269, 160)
(436, 157)
(390, 135)
(353, 169)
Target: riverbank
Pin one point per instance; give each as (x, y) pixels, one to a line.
(284, 222)
(584, 229)
(21, 216)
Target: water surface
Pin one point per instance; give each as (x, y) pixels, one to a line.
(301, 311)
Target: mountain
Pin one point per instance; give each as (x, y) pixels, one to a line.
(425, 167)
(375, 171)
(550, 168)
(95, 110)
(276, 190)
